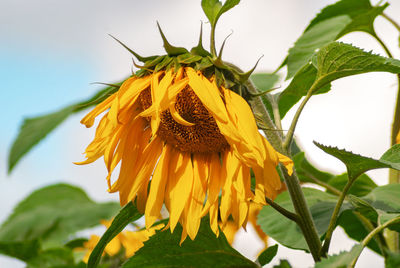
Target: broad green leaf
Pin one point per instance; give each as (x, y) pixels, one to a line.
(341, 260)
(207, 250)
(53, 213)
(361, 12)
(384, 217)
(264, 81)
(298, 87)
(355, 229)
(24, 250)
(337, 60)
(331, 23)
(307, 172)
(287, 232)
(57, 257)
(357, 164)
(386, 198)
(267, 255)
(317, 36)
(322, 213)
(127, 214)
(362, 186)
(35, 129)
(214, 8)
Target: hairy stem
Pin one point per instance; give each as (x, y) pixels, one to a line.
(332, 223)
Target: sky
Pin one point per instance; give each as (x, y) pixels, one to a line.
(52, 51)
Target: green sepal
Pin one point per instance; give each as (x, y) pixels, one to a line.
(203, 64)
(243, 77)
(140, 58)
(170, 49)
(199, 49)
(188, 58)
(165, 61)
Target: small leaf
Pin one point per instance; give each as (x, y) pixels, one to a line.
(341, 260)
(24, 250)
(287, 232)
(53, 213)
(298, 87)
(357, 164)
(267, 255)
(264, 81)
(163, 250)
(35, 129)
(127, 214)
(214, 9)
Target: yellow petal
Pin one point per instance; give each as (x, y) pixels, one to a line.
(209, 96)
(178, 118)
(157, 188)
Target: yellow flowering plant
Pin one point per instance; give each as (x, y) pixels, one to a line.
(195, 149)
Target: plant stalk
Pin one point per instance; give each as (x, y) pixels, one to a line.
(332, 223)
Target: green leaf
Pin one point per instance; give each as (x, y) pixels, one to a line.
(341, 260)
(392, 260)
(214, 8)
(57, 257)
(35, 129)
(362, 206)
(330, 24)
(317, 36)
(264, 81)
(298, 87)
(357, 164)
(163, 250)
(287, 232)
(53, 213)
(361, 12)
(322, 213)
(283, 264)
(386, 198)
(355, 229)
(127, 214)
(337, 60)
(24, 250)
(384, 217)
(267, 255)
(362, 186)
(306, 171)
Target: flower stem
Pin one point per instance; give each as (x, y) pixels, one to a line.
(332, 223)
(374, 232)
(305, 222)
(289, 135)
(212, 41)
(395, 24)
(283, 211)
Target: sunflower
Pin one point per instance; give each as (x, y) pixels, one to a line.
(183, 141)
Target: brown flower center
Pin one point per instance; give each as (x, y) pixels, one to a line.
(203, 137)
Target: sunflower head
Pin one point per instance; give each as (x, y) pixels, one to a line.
(185, 138)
